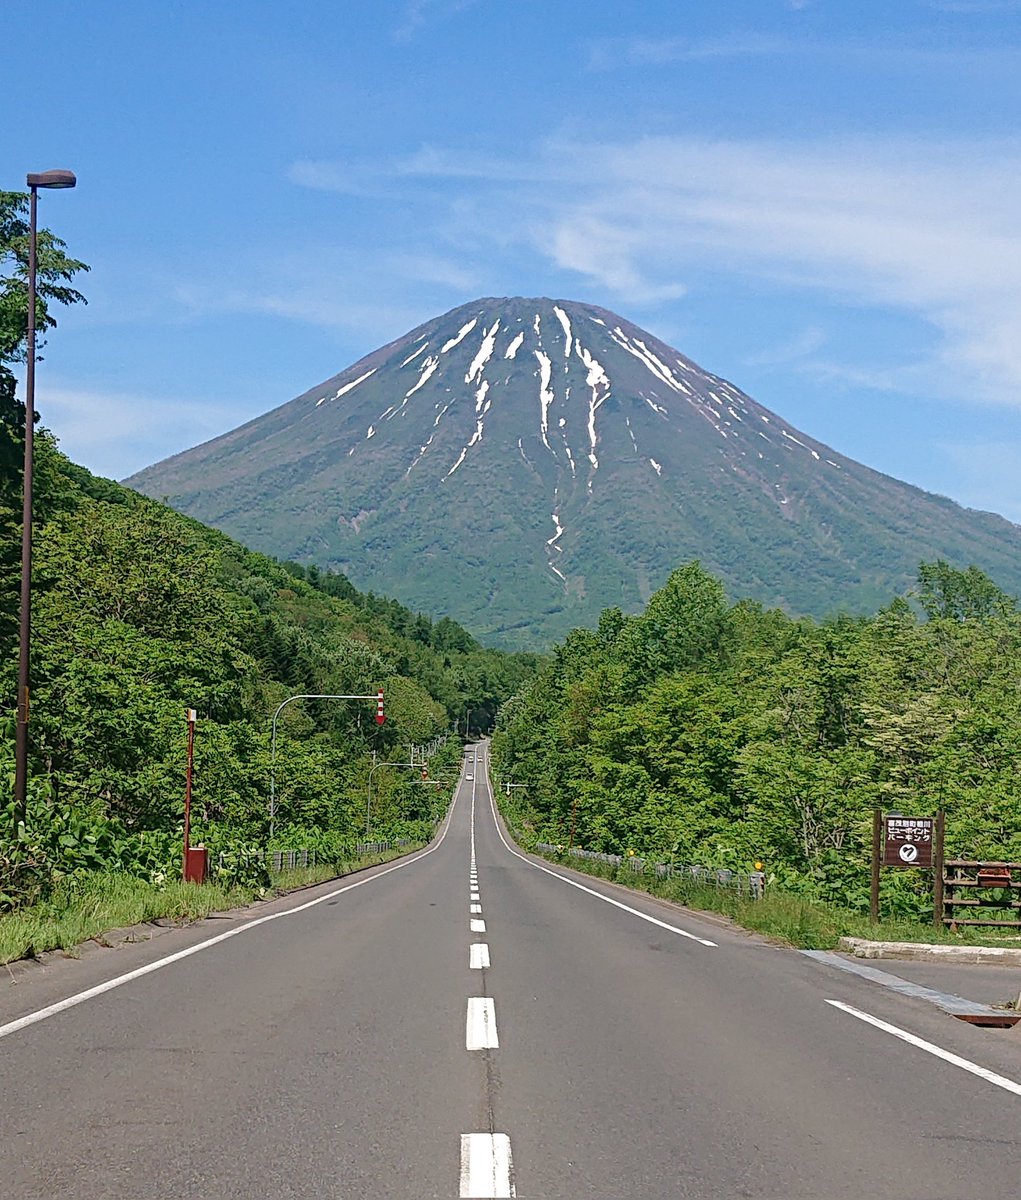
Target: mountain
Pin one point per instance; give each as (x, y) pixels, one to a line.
(520, 464)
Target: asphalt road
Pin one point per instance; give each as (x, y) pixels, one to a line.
(376, 1037)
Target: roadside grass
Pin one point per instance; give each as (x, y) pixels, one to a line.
(793, 920)
(88, 907)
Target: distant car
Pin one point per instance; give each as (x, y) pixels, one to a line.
(469, 777)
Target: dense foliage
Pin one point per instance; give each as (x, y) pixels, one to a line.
(140, 613)
(725, 734)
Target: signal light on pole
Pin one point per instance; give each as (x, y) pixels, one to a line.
(380, 716)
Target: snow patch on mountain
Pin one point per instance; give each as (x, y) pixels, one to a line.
(546, 396)
(347, 387)
(415, 353)
(485, 352)
(565, 321)
(461, 334)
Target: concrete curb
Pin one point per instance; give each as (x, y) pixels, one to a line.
(955, 1006)
(989, 956)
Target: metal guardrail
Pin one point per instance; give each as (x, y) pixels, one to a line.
(751, 883)
(291, 860)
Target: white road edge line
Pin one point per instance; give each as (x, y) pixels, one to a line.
(480, 1024)
(965, 1064)
(486, 1166)
(51, 1010)
(591, 891)
(478, 956)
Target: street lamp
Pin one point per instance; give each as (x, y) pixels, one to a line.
(377, 696)
(46, 179)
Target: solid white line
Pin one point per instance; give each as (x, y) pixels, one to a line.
(480, 1024)
(591, 891)
(965, 1064)
(60, 1006)
(476, 908)
(486, 1166)
(478, 925)
(478, 957)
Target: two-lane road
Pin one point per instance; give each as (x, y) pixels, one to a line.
(471, 1022)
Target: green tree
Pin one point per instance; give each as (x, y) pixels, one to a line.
(55, 272)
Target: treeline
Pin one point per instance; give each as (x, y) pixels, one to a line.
(725, 734)
(140, 613)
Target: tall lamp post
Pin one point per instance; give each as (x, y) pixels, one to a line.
(377, 696)
(46, 179)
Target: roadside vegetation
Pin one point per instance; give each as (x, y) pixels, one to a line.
(139, 614)
(89, 905)
(794, 920)
(724, 735)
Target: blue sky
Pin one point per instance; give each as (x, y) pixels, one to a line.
(819, 200)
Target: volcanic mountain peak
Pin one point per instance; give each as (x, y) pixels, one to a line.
(578, 356)
(523, 463)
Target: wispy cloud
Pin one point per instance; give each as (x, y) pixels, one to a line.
(805, 344)
(660, 51)
(929, 228)
(116, 433)
(418, 13)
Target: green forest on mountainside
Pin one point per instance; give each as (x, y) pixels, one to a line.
(722, 734)
(140, 613)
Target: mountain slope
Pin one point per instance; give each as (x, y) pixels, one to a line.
(521, 464)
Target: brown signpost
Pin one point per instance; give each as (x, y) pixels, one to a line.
(907, 842)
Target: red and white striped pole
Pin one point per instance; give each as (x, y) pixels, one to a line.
(380, 715)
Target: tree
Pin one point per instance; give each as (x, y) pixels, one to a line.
(55, 272)
(945, 592)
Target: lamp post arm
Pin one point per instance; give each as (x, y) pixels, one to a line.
(273, 743)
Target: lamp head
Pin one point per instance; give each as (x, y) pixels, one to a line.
(52, 179)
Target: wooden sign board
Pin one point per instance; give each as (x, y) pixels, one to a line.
(908, 842)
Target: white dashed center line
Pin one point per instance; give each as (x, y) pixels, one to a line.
(480, 1025)
(478, 957)
(485, 1166)
(478, 925)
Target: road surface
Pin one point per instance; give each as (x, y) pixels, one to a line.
(469, 1022)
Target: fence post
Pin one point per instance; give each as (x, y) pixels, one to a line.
(877, 833)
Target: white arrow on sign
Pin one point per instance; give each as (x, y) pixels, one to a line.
(908, 852)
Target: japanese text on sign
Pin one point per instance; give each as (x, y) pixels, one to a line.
(908, 842)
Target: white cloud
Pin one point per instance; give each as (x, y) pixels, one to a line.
(931, 229)
(416, 14)
(804, 344)
(661, 51)
(115, 434)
